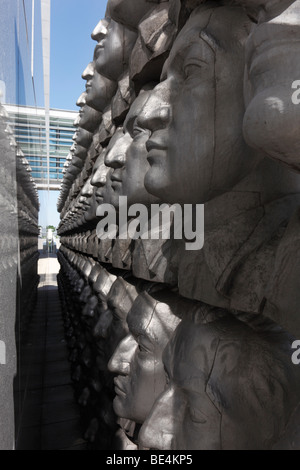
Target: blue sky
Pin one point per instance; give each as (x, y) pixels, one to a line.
(72, 22)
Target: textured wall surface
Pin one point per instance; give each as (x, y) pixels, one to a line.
(187, 103)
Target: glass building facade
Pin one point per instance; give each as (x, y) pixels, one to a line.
(29, 129)
(23, 58)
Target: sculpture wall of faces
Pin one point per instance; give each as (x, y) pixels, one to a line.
(190, 103)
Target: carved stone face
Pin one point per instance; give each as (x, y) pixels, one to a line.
(82, 137)
(130, 170)
(212, 399)
(87, 190)
(107, 192)
(100, 30)
(81, 100)
(99, 174)
(196, 148)
(99, 89)
(89, 118)
(90, 213)
(115, 159)
(101, 177)
(80, 152)
(112, 325)
(138, 358)
(87, 197)
(129, 12)
(183, 415)
(112, 53)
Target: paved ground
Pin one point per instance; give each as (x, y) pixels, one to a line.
(48, 414)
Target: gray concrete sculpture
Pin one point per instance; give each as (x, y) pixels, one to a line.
(213, 130)
(99, 89)
(138, 359)
(187, 102)
(112, 53)
(229, 173)
(130, 165)
(230, 386)
(130, 12)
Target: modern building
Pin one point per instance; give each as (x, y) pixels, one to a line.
(24, 81)
(29, 128)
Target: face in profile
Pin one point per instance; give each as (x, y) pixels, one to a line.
(112, 53)
(115, 160)
(88, 199)
(228, 387)
(100, 30)
(82, 137)
(89, 118)
(99, 89)
(138, 359)
(129, 171)
(184, 416)
(87, 190)
(81, 100)
(99, 175)
(112, 325)
(196, 148)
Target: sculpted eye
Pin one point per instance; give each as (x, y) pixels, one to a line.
(197, 416)
(144, 345)
(194, 66)
(167, 378)
(137, 131)
(191, 69)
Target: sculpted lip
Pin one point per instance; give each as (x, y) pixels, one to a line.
(156, 151)
(99, 199)
(98, 49)
(99, 195)
(118, 389)
(154, 145)
(116, 177)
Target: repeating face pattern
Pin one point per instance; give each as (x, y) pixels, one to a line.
(186, 104)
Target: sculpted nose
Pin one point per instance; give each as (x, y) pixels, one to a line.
(100, 31)
(116, 157)
(81, 100)
(155, 115)
(87, 189)
(99, 177)
(88, 72)
(77, 120)
(120, 361)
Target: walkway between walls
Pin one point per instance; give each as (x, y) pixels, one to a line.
(47, 415)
